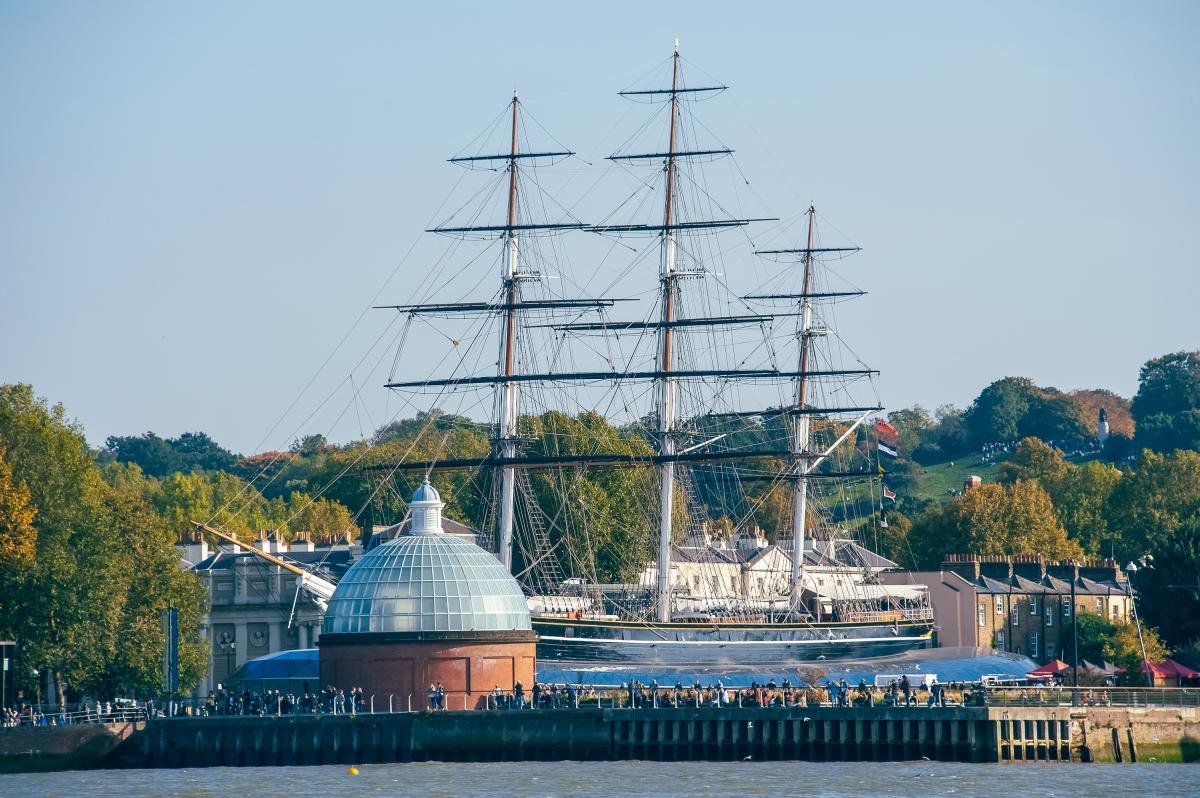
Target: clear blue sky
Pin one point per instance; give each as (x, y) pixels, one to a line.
(197, 200)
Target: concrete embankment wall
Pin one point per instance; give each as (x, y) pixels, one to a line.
(957, 734)
(1142, 734)
(45, 748)
(997, 734)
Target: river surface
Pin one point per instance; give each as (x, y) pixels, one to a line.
(628, 780)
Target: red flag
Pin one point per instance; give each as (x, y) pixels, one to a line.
(885, 428)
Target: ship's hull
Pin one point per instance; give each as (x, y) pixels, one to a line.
(694, 644)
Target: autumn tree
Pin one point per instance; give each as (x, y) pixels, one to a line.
(1080, 493)
(97, 564)
(993, 519)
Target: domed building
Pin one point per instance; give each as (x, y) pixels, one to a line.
(423, 608)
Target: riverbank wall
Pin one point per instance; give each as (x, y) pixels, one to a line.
(960, 734)
(47, 748)
(1050, 734)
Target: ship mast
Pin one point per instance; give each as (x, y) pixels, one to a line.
(507, 390)
(666, 385)
(800, 429)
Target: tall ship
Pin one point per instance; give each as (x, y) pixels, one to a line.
(681, 463)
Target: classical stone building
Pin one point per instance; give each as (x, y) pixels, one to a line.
(1020, 604)
(253, 606)
(426, 608)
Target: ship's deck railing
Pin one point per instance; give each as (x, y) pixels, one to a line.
(1094, 696)
(887, 616)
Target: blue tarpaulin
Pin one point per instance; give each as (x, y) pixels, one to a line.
(948, 664)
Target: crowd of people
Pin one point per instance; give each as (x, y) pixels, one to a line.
(1072, 447)
(27, 714)
(539, 696)
(329, 701)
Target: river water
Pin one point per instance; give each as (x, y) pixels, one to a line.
(628, 780)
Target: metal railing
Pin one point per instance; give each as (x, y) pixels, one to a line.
(34, 718)
(1094, 696)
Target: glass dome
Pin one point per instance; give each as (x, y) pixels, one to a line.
(427, 583)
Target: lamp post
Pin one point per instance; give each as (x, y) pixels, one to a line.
(1132, 569)
(228, 646)
(1074, 627)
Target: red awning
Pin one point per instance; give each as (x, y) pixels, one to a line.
(1050, 668)
(1169, 669)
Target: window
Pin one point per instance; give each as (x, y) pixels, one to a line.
(1049, 614)
(1100, 606)
(1116, 612)
(1016, 616)
(1033, 644)
(999, 605)
(1066, 606)
(696, 581)
(1000, 640)
(982, 615)
(1033, 605)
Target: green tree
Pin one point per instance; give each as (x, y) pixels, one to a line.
(1168, 384)
(1081, 497)
(1165, 432)
(155, 583)
(1167, 404)
(100, 552)
(1014, 407)
(1102, 640)
(1169, 592)
(1155, 499)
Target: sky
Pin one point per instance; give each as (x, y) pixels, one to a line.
(199, 202)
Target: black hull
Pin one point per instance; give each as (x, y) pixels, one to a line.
(605, 643)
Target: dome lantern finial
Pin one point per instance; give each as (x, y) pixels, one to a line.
(426, 508)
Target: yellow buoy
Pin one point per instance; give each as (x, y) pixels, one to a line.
(352, 772)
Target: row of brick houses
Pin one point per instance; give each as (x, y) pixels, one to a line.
(1020, 604)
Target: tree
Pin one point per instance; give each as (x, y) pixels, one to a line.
(200, 452)
(1155, 499)
(895, 542)
(84, 594)
(1169, 592)
(996, 413)
(1053, 415)
(191, 451)
(323, 519)
(914, 425)
(1167, 403)
(1102, 640)
(1168, 384)
(1014, 407)
(1079, 493)
(951, 434)
(18, 538)
(992, 519)
(151, 453)
(1081, 497)
(68, 602)
(1165, 432)
(1092, 401)
(1033, 459)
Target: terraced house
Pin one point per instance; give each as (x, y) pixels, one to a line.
(1021, 604)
